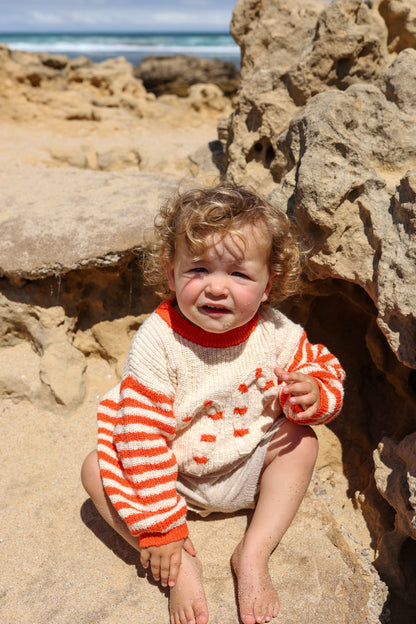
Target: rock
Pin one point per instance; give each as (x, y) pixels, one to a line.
(112, 77)
(366, 146)
(72, 155)
(62, 368)
(65, 104)
(75, 88)
(325, 127)
(36, 348)
(115, 210)
(349, 152)
(51, 246)
(118, 159)
(207, 97)
(290, 53)
(19, 373)
(397, 89)
(347, 47)
(56, 61)
(271, 36)
(110, 340)
(400, 19)
(175, 74)
(207, 161)
(395, 477)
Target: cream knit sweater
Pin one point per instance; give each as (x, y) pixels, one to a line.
(198, 403)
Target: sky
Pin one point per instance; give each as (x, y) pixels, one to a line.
(115, 15)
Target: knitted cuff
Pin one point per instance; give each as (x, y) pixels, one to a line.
(158, 539)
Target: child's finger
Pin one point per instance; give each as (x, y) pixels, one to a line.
(144, 558)
(308, 413)
(173, 572)
(281, 374)
(288, 377)
(305, 402)
(309, 410)
(297, 388)
(189, 547)
(164, 571)
(155, 567)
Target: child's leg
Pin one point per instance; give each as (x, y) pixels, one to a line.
(187, 603)
(287, 471)
(91, 480)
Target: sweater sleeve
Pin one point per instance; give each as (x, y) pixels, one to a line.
(138, 469)
(315, 360)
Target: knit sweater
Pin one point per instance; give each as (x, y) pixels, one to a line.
(198, 403)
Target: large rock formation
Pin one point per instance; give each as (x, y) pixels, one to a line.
(325, 126)
(75, 89)
(43, 248)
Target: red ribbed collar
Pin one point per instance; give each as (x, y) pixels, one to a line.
(195, 334)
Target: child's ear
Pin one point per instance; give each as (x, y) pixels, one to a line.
(169, 270)
(268, 288)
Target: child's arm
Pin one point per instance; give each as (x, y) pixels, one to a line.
(312, 392)
(136, 422)
(138, 470)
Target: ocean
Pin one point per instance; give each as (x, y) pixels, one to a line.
(133, 46)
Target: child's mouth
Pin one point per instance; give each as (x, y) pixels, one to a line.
(215, 310)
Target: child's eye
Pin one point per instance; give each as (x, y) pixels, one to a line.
(198, 270)
(239, 274)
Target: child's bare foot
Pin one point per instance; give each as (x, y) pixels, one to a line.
(257, 598)
(187, 602)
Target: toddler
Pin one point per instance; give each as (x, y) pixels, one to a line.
(216, 400)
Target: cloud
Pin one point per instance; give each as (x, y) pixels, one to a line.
(38, 17)
(123, 15)
(199, 19)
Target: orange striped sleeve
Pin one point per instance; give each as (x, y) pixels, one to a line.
(315, 360)
(137, 466)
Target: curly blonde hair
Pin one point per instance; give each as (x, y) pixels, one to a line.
(197, 213)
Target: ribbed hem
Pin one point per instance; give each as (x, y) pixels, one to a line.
(195, 334)
(158, 539)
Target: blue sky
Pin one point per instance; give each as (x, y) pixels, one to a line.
(115, 15)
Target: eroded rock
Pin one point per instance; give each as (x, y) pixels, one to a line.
(325, 126)
(395, 477)
(400, 19)
(349, 147)
(348, 152)
(176, 74)
(43, 246)
(62, 368)
(115, 211)
(73, 89)
(347, 46)
(271, 36)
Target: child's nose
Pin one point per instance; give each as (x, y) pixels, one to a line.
(216, 285)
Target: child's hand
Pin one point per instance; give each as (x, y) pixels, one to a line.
(165, 560)
(304, 390)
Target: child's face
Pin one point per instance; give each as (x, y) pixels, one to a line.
(225, 287)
